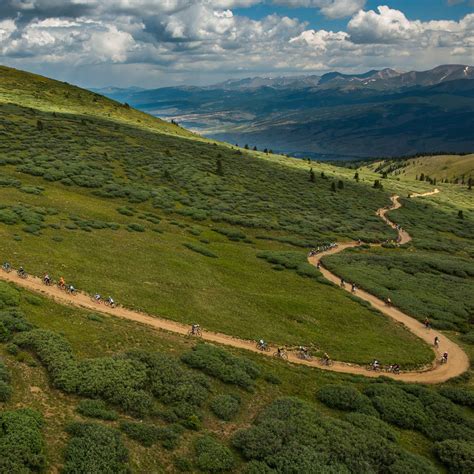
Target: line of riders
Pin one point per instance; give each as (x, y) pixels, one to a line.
(281, 353)
(61, 284)
(322, 248)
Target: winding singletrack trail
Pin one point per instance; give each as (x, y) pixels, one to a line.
(458, 360)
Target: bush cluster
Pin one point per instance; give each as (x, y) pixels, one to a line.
(95, 448)
(148, 435)
(212, 456)
(226, 407)
(202, 250)
(220, 364)
(22, 448)
(5, 388)
(458, 456)
(96, 409)
(344, 397)
(290, 436)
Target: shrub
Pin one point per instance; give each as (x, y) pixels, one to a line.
(343, 397)
(12, 349)
(225, 407)
(458, 456)
(396, 406)
(9, 296)
(220, 364)
(202, 250)
(135, 228)
(148, 435)
(95, 448)
(96, 409)
(212, 456)
(461, 396)
(22, 448)
(372, 424)
(290, 436)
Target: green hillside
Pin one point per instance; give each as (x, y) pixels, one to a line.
(453, 168)
(123, 204)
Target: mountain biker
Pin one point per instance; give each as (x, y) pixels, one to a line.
(427, 323)
(304, 352)
(353, 288)
(21, 271)
(326, 358)
(343, 283)
(436, 341)
(395, 368)
(61, 282)
(47, 279)
(71, 289)
(195, 329)
(6, 266)
(97, 297)
(262, 344)
(389, 302)
(445, 357)
(375, 364)
(110, 301)
(280, 352)
(318, 265)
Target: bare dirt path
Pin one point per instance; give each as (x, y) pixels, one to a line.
(458, 360)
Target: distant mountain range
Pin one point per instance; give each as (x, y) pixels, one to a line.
(333, 116)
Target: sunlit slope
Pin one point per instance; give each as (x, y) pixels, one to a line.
(38, 92)
(441, 167)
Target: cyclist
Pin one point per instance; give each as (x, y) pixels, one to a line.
(7, 267)
(97, 297)
(21, 271)
(389, 301)
(353, 288)
(195, 329)
(71, 289)
(304, 352)
(394, 368)
(436, 341)
(280, 352)
(444, 359)
(343, 283)
(61, 283)
(110, 301)
(318, 265)
(47, 279)
(376, 365)
(326, 359)
(262, 344)
(427, 323)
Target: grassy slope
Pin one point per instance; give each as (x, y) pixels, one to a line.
(440, 167)
(236, 292)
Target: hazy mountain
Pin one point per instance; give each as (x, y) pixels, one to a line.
(381, 112)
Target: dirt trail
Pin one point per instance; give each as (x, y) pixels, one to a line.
(458, 360)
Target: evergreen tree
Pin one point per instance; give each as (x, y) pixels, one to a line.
(469, 184)
(356, 176)
(461, 215)
(219, 167)
(333, 186)
(422, 177)
(312, 176)
(255, 148)
(323, 175)
(340, 184)
(39, 125)
(246, 146)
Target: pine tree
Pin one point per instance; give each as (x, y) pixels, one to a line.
(469, 184)
(246, 146)
(461, 215)
(356, 176)
(422, 177)
(39, 125)
(255, 148)
(312, 176)
(323, 175)
(333, 187)
(340, 184)
(219, 167)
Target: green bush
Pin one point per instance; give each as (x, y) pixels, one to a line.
(457, 456)
(212, 456)
(343, 397)
(9, 296)
(135, 228)
(95, 448)
(225, 407)
(96, 409)
(372, 424)
(396, 406)
(461, 396)
(22, 448)
(202, 250)
(220, 364)
(148, 435)
(290, 436)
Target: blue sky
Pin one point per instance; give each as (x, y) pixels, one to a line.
(153, 43)
(414, 10)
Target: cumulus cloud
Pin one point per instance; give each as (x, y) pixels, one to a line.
(182, 39)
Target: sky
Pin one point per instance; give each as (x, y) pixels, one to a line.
(157, 43)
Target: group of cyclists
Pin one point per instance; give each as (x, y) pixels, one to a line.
(61, 284)
(322, 248)
(353, 285)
